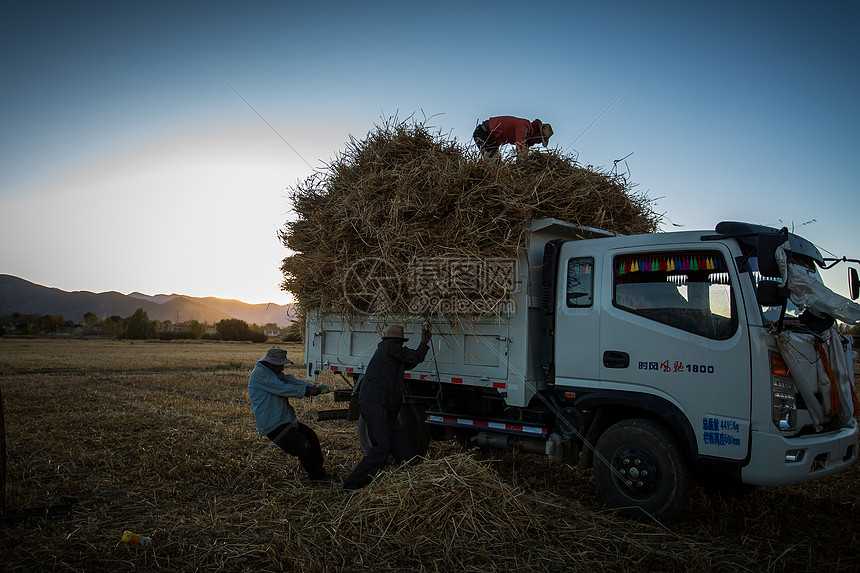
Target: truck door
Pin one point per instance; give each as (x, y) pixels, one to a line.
(673, 325)
(577, 332)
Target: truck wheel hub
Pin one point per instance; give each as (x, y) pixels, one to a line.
(638, 470)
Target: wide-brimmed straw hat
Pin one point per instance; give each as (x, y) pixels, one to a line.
(394, 331)
(276, 357)
(545, 133)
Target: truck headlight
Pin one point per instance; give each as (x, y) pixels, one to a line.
(783, 394)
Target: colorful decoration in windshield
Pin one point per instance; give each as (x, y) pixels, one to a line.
(579, 266)
(670, 264)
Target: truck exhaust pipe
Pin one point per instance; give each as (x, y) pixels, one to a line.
(557, 448)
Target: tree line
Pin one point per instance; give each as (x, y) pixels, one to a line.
(138, 326)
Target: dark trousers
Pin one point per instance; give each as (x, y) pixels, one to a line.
(484, 140)
(300, 441)
(387, 437)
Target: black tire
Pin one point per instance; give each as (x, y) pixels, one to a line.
(363, 436)
(411, 417)
(639, 467)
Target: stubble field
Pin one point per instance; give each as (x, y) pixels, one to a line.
(159, 439)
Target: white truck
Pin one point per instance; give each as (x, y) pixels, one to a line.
(652, 358)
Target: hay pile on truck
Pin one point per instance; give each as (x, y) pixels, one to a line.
(404, 198)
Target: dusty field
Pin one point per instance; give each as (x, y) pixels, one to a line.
(158, 438)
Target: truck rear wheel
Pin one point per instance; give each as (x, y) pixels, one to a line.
(363, 436)
(639, 467)
(411, 417)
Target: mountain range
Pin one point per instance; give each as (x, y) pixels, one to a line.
(24, 297)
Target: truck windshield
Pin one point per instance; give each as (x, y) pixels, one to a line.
(692, 291)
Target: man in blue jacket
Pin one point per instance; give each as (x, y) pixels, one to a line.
(270, 389)
(380, 399)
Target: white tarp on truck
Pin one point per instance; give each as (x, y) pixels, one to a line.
(820, 363)
(809, 293)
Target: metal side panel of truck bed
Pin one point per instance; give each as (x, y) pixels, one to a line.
(477, 353)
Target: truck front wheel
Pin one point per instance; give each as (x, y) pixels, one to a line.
(639, 467)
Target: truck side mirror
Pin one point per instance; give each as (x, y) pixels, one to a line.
(767, 245)
(770, 293)
(853, 283)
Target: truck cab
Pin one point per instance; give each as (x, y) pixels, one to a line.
(678, 336)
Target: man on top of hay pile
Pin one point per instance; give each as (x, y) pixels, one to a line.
(270, 390)
(497, 131)
(380, 399)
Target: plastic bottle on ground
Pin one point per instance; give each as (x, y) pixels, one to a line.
(135, 539)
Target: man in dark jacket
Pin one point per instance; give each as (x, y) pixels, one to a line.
(380, 399)
(498, 131)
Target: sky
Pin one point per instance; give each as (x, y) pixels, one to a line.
(152, 146)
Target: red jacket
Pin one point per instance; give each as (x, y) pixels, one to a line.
(509, 129)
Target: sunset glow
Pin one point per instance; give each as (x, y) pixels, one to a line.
(132, 160)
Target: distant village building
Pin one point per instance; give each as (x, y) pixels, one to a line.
(70, 329)
(272, 333)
